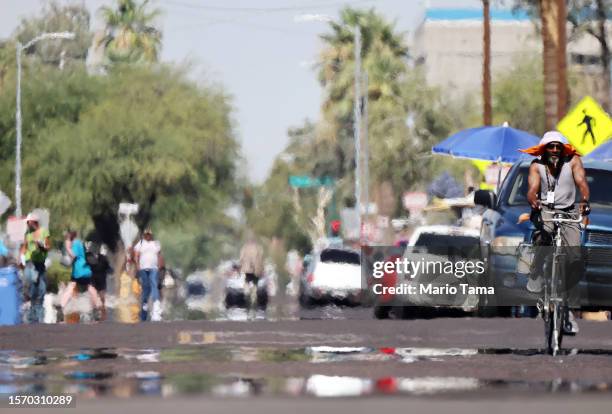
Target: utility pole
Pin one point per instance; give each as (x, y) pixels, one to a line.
(365, 146)
(18, 121)
(357, 127)
(486, 65)
(554, 41)
(562, 88)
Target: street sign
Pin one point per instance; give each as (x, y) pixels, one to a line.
(586, 126)
(415, 200)
(300, 181)
(304, 181)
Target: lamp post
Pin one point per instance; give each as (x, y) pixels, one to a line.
(19, 49)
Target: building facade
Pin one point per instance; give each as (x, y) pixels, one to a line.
(448, 44)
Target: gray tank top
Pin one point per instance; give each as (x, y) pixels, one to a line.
(564, 185)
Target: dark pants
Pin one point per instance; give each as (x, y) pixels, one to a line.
(36, 277)
(251, 278)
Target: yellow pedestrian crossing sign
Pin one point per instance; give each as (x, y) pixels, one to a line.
(586, 126)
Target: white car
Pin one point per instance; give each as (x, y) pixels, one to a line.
(441, 234)
(196, 288)
(333, 274)
(429, 244)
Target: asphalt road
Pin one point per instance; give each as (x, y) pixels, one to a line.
(332, 358)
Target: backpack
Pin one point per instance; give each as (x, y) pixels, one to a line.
(91, 255)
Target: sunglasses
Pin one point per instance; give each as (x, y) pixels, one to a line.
(554, 146)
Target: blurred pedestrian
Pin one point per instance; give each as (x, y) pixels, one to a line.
(33, 253)
(81, 272)
(149, 260)
(100, 268)
(252, 265)
(10, 290)
(3, 250)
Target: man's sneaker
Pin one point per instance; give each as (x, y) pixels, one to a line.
(157, 312)
(535, 285)
(570, 326)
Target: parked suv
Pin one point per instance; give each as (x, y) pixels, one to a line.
(500, 235)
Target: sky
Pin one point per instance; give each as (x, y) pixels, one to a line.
(260, 52)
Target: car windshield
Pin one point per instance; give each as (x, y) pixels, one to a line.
(598, 180)
(339, 256)
(449, 245)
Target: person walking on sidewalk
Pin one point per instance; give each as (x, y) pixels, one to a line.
(33, 254)
(149, 260)
(81, 272)
(100, 268)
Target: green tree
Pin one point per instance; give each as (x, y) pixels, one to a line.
(153, 138)
(56, 17)
(384, 58)
(271, 212)
(7, 62)
(49, 96)
(130, 35)
(587, 18)
(402, 155)
(518, 96)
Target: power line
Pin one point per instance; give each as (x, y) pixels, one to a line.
(265, 9)
(215, 22)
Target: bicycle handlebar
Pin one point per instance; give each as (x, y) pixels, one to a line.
(561, 220)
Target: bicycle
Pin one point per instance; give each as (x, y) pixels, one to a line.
(553, 306)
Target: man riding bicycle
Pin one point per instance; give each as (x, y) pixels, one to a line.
(553, 178)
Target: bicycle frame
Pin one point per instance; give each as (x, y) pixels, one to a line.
(554, 308)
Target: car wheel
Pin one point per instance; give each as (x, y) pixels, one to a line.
(229, 301)
(306, 301)
(262, 299)
(382, 312)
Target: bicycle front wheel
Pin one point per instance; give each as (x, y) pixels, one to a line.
(553, 326)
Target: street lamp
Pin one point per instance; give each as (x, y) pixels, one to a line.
(19, 49)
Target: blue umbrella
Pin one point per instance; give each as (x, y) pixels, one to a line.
(490, 143)
(602, 153)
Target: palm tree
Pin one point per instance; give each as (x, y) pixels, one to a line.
(384, 57)
(130, 35)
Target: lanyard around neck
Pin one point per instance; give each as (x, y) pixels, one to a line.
(552, 186)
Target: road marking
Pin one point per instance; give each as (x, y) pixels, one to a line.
(196, 338)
